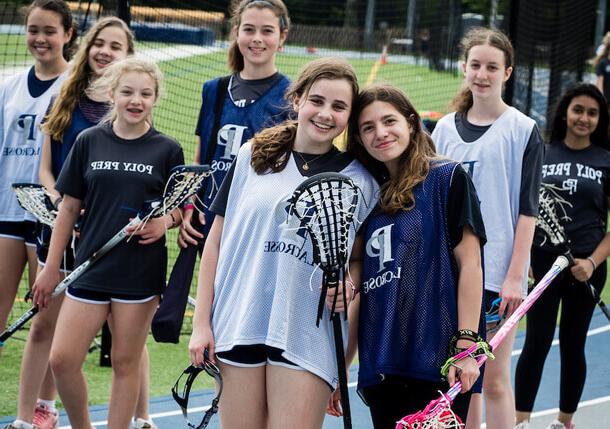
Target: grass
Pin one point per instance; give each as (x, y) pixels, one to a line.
(166, 363)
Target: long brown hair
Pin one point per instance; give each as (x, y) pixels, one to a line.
(271, 147)
(414, 162)
(235, 58)
(478, 36)
(60, 116)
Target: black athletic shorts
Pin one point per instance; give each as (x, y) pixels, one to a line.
(25, 231)
(95, 297)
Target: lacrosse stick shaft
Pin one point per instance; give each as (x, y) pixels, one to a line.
(561, 263)
(339, 352)
(598, 301)
(70, 278)
(594, 294)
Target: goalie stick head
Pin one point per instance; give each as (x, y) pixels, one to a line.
(35, 199)
(325, 204)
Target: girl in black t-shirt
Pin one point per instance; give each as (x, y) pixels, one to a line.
(112, 168)
(577, 164)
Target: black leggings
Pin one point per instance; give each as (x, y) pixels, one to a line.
(396, 397)
(577, 307)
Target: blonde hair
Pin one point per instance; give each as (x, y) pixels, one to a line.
(235, 59)
(414, 162)
(60, 116)
(478, 36)
(272, 146)
(111, 78)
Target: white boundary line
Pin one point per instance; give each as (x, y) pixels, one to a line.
(591, 332)
(542, 413)
(589, 403)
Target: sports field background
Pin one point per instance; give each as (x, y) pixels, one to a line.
(186, 67)
(176, 115)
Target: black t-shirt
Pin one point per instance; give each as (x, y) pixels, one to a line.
(332, 161)
(603, 69)
(582, 178)
(463, 208)
(245, 91)
(114, 177)
(530, 170)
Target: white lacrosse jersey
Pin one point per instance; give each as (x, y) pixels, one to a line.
(267, 286)
(20, 139)
(494, 162)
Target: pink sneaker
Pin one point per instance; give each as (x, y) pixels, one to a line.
(45, 419)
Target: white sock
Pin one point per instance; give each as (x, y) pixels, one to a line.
(49, 403)
(22, 424)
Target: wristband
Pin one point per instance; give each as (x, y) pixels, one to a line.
(57, 201)
(590, 259)
(189, 206)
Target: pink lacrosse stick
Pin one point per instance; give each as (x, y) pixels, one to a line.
(438, 414)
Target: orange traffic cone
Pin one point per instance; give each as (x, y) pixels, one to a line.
(384, 55)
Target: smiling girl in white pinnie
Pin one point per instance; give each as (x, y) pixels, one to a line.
(50, 33)
(502, 150)
(24, 99)
(255, 309)
(99, 172)
(69, 113)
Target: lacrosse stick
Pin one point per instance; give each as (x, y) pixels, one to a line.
(35, 199)
(438, 414)
(548, 221)
(182, 390)
(325, 205)
(183, 182)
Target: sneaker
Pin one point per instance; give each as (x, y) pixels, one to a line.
(44, 418)
(15, 425)
(143, 424)
(556, 424)
(523, 425)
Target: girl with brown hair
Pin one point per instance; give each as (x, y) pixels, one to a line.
(502, 151)
(258, 293)
(421, 291)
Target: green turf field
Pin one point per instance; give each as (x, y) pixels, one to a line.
(13, 50)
